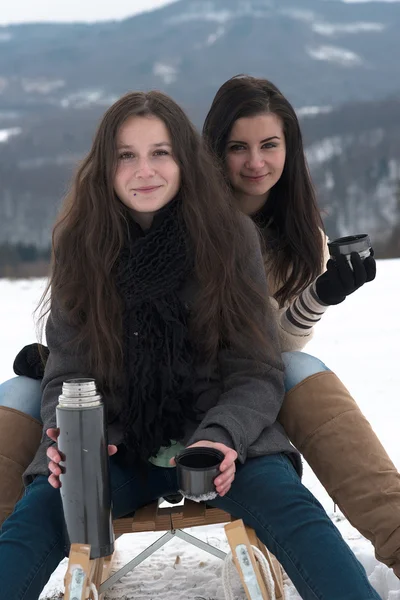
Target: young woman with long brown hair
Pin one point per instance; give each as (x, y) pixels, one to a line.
(168, 311)
(255, 136)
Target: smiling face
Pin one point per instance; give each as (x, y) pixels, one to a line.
(255, 158)
(147, 176)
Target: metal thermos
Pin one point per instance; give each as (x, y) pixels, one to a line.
(85, 484)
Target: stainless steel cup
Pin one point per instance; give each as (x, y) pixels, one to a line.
(196, 470)
(352, 243)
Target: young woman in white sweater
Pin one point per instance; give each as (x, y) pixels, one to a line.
(255, 136)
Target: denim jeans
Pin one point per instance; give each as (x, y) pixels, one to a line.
(267, 494)
(298, 366)
(24, 394)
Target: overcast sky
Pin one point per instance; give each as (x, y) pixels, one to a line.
(22, 11)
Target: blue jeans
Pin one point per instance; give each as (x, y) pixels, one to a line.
(23, 393)
(267, 494)
(298, 366)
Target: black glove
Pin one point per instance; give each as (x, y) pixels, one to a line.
(31, 360)
(340, 280)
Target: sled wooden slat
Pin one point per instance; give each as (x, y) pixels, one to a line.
(237, 537)
(155, 518)
(107, 566)
(194, 510)
(275, 567)
(145, 517)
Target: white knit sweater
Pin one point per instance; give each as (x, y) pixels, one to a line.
(297, 319)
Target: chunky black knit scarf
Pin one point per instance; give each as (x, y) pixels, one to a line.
(158, 356)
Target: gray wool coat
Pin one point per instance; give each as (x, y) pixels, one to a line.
(239, 398)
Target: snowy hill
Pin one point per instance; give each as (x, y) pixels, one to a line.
(326, 51)
(322, 54)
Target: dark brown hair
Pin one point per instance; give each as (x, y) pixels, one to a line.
(291, 209)
(91, 230)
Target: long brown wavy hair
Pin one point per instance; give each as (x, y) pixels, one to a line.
(91, 230)
(291, 211)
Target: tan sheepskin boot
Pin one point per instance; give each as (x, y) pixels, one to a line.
(325, 424)
(20, 435)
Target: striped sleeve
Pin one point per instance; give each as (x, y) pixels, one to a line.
(304, 313)
(296, 320)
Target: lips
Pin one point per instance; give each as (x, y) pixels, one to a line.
(146, 190)
(254, 178)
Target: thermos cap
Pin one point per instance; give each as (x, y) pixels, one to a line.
(79, 393)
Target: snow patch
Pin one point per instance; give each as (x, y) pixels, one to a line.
(332, 29)
(373, 137)
(168, 73)
(213, 37)
(201, 498)
(394, 169)
(329, 182)
(324, 150)
(5, 36)
(312, 111)
(308, 16)
(41, 161)
(340, 56)
(41, 85)
(221, 16)
(85, 98)
(5, 134)
(206, 11)
(386, 193)
(3, 84)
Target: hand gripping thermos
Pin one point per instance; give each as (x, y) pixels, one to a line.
(85, 484)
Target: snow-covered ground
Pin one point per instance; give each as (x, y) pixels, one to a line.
(358, 340)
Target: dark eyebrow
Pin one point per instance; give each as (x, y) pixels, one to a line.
(127, 147)
(273, 137)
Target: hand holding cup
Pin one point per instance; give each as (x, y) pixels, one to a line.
(205, 469)
(351, 265)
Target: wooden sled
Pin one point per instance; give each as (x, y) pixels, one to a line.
(87, 579)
